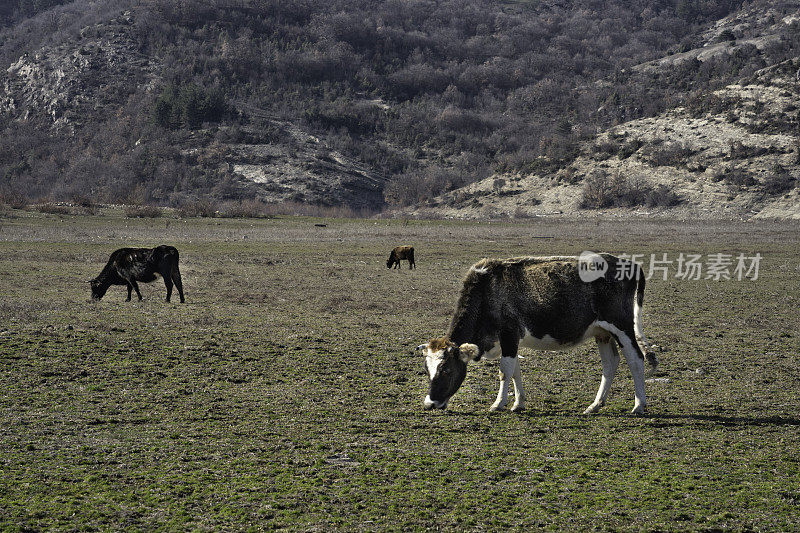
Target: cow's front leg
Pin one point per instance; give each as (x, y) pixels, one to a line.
(519, 390)
(168, 283)
(507, 368)
(609, 355)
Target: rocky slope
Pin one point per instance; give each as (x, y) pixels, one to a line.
(302, 168)
(736, 155)
(88, 81)
(88, 78)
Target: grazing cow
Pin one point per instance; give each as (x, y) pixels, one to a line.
(400, 253)
(544, 303)
(126, 266)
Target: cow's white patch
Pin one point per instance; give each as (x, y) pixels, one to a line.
(637, 322)
(549, 343)
(432, 361)
(429, 404)
(479, 270)
(545, 343)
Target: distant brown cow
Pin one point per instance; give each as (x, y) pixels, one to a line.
(399, 253)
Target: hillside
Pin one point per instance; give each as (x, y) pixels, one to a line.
(735, 154)
(385, 105)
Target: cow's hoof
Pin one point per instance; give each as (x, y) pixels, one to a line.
(639, 411)
(592, 409)
(497, 407)
(519, 406)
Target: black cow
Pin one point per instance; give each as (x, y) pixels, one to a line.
(400, 253)
(544, 303)
(126, 266)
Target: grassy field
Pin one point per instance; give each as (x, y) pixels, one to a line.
(285, 395)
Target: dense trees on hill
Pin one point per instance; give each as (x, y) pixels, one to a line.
(13, 10)
(188, 106)
(432, 95)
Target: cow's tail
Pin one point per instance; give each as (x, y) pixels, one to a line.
(638, 301)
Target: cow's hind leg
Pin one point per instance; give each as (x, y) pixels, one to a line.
(176, 277)
(132, 283)
(130, 289)
(644, 344)
(609, 355)
(635, 359)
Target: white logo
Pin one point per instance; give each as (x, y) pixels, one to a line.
(591, 266)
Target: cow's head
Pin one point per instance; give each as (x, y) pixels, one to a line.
(98, 289)
(446, 366)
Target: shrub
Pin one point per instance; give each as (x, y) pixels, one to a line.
(81, 200)
(13, 200)
(662, 196)
(725, 36)
(308, 210)
(629, 148)
(778, 182)
(198, 208)
(459, 120)
(597, 192)
(421, 185)
(604, 149)
(736, 178)
(54, 209)
(739, 150)
(244, 209)
(143, 211)
(602, 191)
(670, 155)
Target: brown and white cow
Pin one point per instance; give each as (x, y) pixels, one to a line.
(400, 253)
(543, 303)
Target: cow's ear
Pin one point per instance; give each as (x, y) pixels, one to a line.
(469, 352)
(421, 347)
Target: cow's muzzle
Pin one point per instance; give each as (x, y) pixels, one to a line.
(429, 404)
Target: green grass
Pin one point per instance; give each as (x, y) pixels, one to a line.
(285, 394)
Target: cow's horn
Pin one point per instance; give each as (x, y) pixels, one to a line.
(469, 352)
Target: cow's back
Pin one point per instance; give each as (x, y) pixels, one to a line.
(403, 252)
(536, 293)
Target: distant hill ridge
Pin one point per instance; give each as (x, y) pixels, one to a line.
(458, 108)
